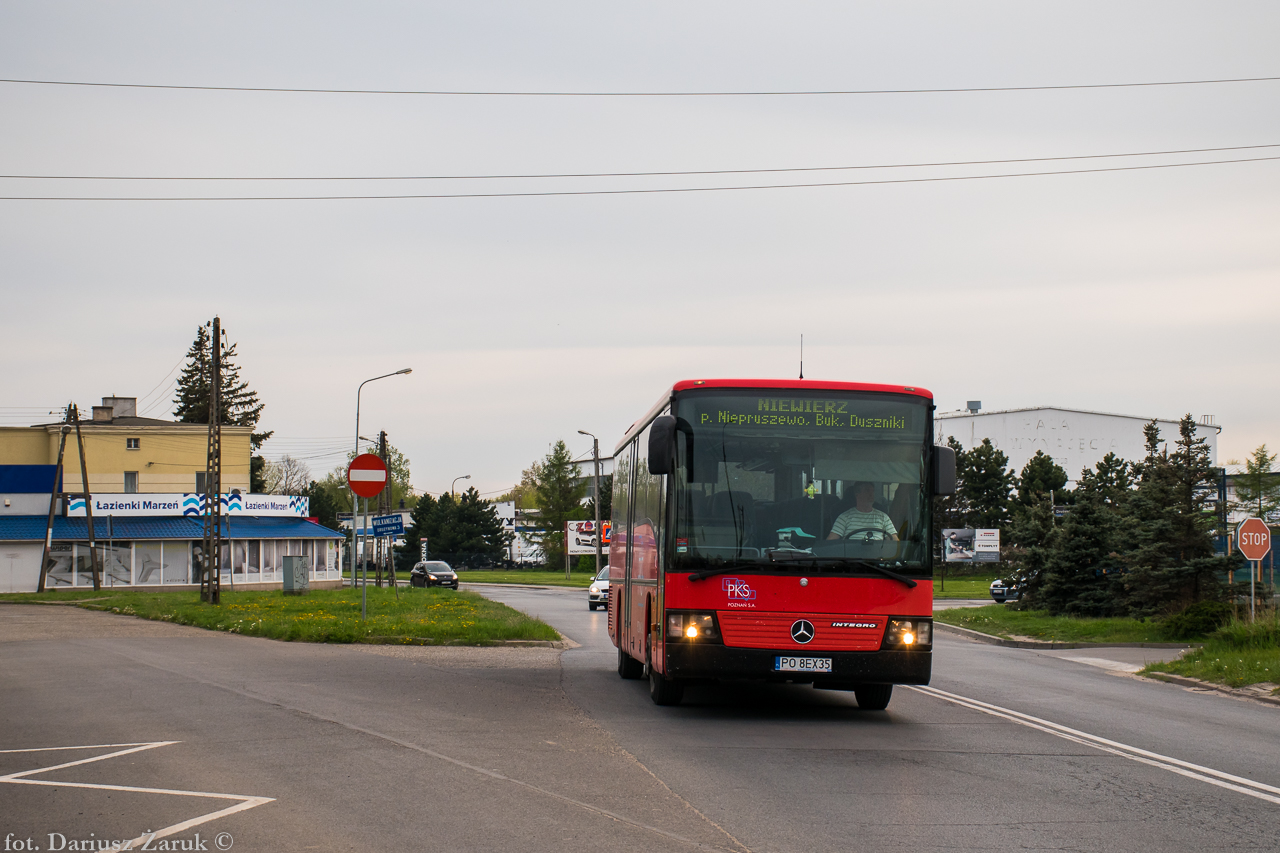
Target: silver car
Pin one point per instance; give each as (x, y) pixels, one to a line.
(598, 592)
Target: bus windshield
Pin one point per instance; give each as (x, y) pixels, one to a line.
(816, 481)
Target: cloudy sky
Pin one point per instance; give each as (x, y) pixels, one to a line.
(1151, 292)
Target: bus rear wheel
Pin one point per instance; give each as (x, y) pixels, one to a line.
(664, 691)
(873, 697)
(628, 667)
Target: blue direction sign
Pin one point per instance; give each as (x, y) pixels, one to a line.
(388, 525)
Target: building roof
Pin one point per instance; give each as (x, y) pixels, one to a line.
(20, 528)
(251, 527)
(965, 413)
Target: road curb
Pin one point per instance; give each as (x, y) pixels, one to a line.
(993, 640)
(1185, 681)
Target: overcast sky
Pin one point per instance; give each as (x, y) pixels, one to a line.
(1152, 292)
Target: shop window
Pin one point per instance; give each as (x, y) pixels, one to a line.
(133, 444)
(255, 556)
(176, 562)
(84, 566)
(131, 482)
(148, 562)
(117, 569)
(60, 558)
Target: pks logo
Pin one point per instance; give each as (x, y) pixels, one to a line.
(738, 589)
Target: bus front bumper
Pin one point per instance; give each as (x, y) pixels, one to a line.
(696, 661)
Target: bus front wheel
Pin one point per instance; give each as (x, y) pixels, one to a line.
(664, 691)
(628, 667)
(873, 697)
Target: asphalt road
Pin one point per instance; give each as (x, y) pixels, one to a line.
(376, 748)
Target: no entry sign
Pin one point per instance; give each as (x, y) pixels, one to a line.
(1254, 538)
(366, 475)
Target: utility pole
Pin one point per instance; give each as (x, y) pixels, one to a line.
(56, 493)
(88, 502)
(595, 457)
(384, 504)
(211, 564)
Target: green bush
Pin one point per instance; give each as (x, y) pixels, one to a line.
(1262, 634)
(1198, 620)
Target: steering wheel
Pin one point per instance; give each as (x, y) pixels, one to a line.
(879, 536)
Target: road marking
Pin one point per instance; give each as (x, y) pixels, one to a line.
(1258, 790)
(245, 801)
(1103, 663)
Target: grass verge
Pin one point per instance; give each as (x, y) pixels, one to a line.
(964, 586)
(418, 617)
(1238, 654)
(1038, 625)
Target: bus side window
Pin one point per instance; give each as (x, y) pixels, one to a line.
(621, 534)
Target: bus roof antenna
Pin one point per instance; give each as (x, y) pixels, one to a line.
(802, 355)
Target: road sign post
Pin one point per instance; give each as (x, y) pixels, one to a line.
(1253, 538)
(367, 477)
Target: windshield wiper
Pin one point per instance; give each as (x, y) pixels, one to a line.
(720, 570)
(800, 557)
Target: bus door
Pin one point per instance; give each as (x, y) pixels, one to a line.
(647, 507)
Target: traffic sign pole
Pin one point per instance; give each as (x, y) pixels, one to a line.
(1253, 537)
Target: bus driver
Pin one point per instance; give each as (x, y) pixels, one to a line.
(863, 518)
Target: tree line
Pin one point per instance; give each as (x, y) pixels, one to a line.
(1137, 537)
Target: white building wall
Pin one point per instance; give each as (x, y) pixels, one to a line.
(1075, 439)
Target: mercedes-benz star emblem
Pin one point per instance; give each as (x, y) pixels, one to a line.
(802, 631)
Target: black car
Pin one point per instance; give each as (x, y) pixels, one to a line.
(1005, 589)
(433, 573)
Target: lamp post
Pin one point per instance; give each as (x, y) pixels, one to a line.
(595, 456)
(354, 539)
(455, 482)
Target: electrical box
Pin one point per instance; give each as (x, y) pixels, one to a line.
(295, 576)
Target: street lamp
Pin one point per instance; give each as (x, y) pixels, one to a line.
(406, 370)
(595, 456)
(455, 482)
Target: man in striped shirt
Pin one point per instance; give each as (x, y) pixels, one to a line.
(863, 519)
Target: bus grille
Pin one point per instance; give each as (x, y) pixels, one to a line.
(832, 632)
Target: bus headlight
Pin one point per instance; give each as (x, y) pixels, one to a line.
(909, 633)
(692, 627)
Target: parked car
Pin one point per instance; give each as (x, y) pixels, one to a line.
(1005, 589)
(433, 573)
(598, 592)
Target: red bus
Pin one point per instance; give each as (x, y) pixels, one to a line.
(777, 530)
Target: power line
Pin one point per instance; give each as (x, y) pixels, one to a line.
(637, 174)
(641, 191)
(513, 94)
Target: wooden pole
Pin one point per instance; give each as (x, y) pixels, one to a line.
(94, 561)
(54, 494)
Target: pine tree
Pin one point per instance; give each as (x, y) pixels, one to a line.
(559, 491)
(988, 483)
(1257, 487)
(462, 531)
(1170, 526)
(240, 406)
(1082, 570)
(1041, 479)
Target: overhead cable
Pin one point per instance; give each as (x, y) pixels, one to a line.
(650, 191)
(602, 94)
(685, 173)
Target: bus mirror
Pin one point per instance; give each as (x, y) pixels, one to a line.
(944, 470)
(662, 444)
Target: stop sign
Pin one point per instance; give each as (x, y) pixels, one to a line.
(1254, 538)
(367, 475)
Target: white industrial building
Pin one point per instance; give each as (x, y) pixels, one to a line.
(1076, 439)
